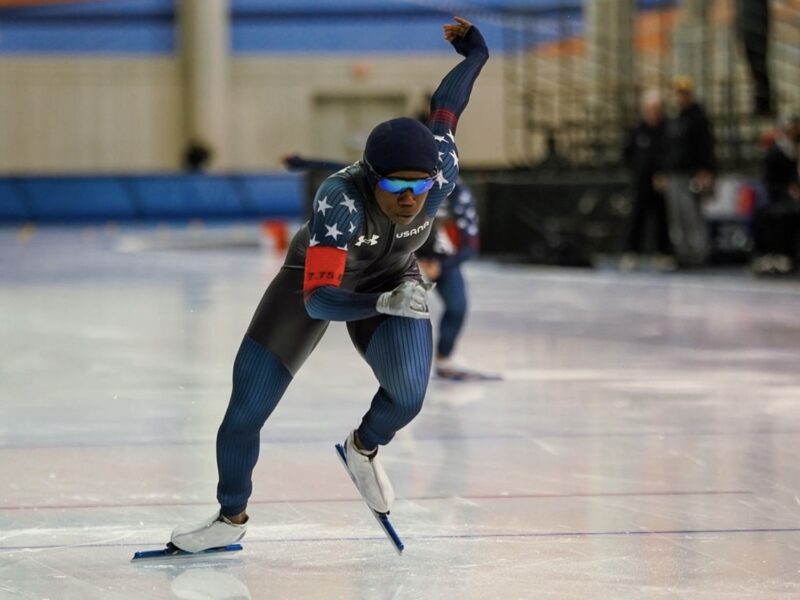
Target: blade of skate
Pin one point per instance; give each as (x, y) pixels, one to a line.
(171, 552)
(469, 376)
(381, 518)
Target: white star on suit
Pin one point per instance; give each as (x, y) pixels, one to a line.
(313, 241)
(323, 205)
(332, 232)
(352, 227)
(350, 203)
(441, 180)
(342, 247)
(439, 138)
(455, 158)
(451, 136)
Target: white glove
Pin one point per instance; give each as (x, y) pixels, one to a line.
(409, 299)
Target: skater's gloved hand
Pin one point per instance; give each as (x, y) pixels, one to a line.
(409, 299)
(464, 36)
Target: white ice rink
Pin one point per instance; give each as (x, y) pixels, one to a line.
(645, 442)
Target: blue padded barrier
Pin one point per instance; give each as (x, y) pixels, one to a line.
(150, 197)
(75, 198)
(273, 195)
(174, 196)
(12, 203)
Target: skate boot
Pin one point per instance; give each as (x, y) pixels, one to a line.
(214, 532)
(369, 476)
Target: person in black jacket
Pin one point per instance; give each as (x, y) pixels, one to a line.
(690, 166)
(776, 227)
(644, 154)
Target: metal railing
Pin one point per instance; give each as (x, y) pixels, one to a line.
(554, 97)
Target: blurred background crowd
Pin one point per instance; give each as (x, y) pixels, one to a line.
(635, 134)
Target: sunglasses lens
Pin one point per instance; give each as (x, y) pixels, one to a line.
(423, 186)
(397, 186)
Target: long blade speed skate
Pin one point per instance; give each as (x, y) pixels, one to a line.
(381, 518)
(172, 551)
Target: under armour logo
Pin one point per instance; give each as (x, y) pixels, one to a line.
(373, 241)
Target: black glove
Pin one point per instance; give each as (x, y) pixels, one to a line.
(473, 40)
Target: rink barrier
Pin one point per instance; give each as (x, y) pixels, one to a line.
(569, 218)
(75, 198)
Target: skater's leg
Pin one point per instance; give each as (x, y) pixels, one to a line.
(259, 381)
(399, 352)
(280, 338)
(453, 291)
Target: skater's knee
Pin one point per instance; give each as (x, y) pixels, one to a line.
(238, 423)
(407, 398)
(247, 412)
(412, 410)
(257, 388)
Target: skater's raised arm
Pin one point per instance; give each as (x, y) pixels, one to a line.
(450, 99)
(452, 96)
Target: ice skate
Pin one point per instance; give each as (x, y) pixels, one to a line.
(446, 370)
(369, 476)
(213, 532)
(367, 470)
(211, 536)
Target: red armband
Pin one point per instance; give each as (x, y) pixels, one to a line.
(442, 115)
(324, 266)
(453, 233)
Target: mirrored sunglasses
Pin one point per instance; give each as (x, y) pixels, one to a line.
(395, 185)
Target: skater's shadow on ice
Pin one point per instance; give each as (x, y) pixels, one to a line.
(195, 583)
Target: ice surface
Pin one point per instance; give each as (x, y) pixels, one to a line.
(644, 442)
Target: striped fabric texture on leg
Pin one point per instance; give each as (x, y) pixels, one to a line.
(400, 356)
(452, 289)
(259, 382)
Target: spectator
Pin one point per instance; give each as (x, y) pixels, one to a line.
(690, 168)
(552, 161)
(196, 156)
(776, 227)
(644, 155)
